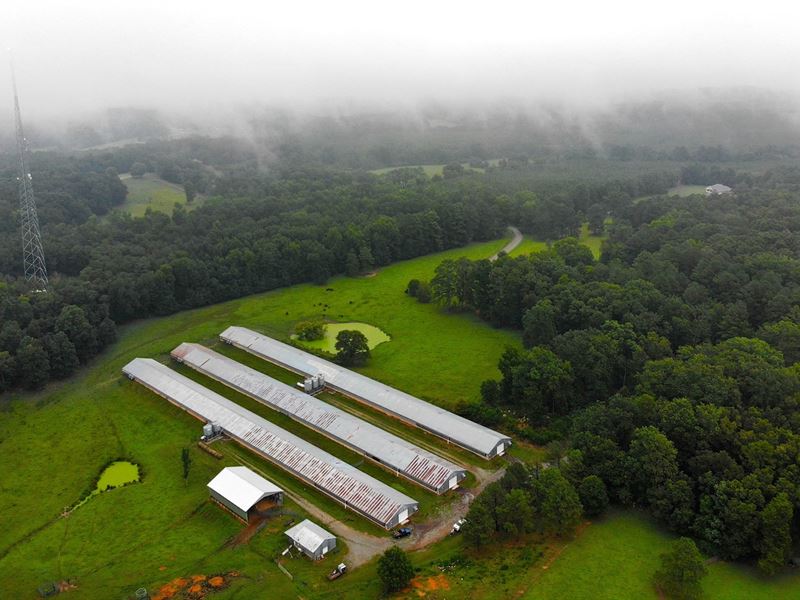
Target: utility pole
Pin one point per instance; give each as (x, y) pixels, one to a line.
(32, 251)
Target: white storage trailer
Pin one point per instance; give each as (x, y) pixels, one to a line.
(355, 490)
(394, 453)
(458, 430)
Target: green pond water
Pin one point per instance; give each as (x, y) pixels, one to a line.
(117, 474)
(374, 335)
(114, 475)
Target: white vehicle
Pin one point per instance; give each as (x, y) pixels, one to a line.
(457, 526)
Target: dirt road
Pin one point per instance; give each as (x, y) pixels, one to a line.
(516, 240)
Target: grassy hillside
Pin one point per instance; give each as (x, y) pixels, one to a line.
(151, 532)
(617, 556)
(54, 444)
(150, 191)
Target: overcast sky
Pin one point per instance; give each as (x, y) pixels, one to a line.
(198, 56)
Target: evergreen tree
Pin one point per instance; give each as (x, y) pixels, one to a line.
(395, 570)
(593, 496)
(682, 571)
(776, 540)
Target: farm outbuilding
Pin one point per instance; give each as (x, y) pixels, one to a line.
(718, 189)
(396, 454)
(347, 485)
(244, 493)
(311, 539)
(458, 430)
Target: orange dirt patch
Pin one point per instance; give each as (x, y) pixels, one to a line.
(195, 587)
(430, 584)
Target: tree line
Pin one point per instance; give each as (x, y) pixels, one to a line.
(670, 365)
(262, 232)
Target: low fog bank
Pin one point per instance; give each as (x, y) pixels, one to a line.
(734, 119)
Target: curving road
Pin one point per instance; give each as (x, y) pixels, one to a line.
(516, 240)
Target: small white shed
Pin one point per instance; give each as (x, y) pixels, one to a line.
(244, 492)
(311, 539)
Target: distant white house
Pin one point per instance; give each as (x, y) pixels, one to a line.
(243, 492)
(311, 539)
(718, 190)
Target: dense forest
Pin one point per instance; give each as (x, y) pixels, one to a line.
(258, 229)
(670, 365)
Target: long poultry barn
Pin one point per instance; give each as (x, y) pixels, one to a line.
(355, 490)
(458, 430)
(402, 457)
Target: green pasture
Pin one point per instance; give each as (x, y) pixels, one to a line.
(530, 244)
(54, 444)
(151, 192)
(431, 170)
(615, 558)
(687, 190)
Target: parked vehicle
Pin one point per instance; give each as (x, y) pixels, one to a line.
(457, 526)
(340, 570)
(402, 532)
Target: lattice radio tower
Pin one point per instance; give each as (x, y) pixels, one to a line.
(32, 251)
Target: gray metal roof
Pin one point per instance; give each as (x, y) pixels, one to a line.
(415, 463)
(359, 491)
(309, 535)
(241, 487)
(718, 188)
(463, 432)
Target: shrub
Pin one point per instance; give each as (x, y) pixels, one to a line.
(310, 330)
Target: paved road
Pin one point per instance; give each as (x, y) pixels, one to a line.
(515, 241)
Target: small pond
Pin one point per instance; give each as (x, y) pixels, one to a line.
(117, 474)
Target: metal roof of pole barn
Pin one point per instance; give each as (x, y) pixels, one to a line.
(241, 487)
(407, 459)
(364, 494)
(470, 435)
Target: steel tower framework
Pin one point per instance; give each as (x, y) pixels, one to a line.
(32, 251)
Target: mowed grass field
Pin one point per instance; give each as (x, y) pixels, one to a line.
(616, 557)
(431, 170)
(687, 190)
(53, 444)
(530, 244)
(151, 192)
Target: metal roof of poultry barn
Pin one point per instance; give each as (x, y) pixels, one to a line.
(465, 433)
(407, 459)
(358, 491)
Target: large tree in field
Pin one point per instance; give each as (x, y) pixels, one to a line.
(351, 348)
(395, 570)
(682, 570)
